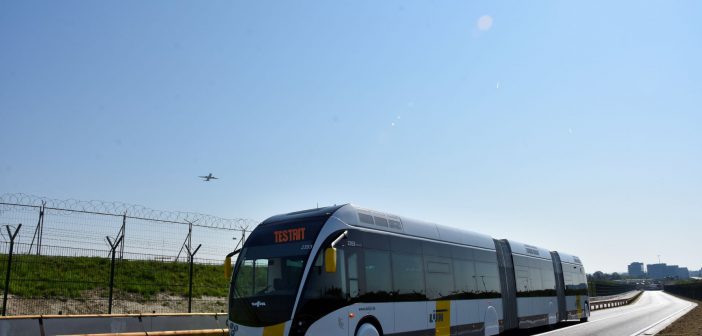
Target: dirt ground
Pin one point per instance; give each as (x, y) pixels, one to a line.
(94, 303)
(689, 324)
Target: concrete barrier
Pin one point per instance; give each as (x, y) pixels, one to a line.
(208, 332)
(614, 300)
(49, 325)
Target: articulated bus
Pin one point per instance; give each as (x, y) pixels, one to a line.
(345, 270)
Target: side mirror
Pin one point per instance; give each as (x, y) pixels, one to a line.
(330, 254)
(227, 267)
(330, 260)
(228, 264)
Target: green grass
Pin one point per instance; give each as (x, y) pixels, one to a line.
(78, 277)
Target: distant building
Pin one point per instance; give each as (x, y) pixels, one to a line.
(662, 271)
(636, 270)
(683, 273)
(672, 271)
(657, 271)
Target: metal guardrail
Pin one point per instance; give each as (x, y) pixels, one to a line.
(611, 301)
(613, 297)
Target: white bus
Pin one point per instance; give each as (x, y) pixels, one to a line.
(344, 270)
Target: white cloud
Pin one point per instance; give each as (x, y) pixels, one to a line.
(485, 23)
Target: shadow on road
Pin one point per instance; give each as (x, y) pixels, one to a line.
(539, 330)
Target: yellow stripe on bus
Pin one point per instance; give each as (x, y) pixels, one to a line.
(579, 306)
(274, 330)
(443, 318)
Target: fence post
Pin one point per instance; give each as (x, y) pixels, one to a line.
(124, 232)
(190, 238)
(39, 231)
(9, 266)
(190, 286)
(113, 251)
(187, 244)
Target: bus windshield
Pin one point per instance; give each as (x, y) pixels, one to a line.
(268, 272)
(266, 282)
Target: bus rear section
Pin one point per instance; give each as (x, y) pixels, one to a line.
(574, 300)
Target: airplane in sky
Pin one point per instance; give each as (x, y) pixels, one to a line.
(207, 178)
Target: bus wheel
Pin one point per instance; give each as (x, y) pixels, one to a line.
(586, 312)
(367, 329)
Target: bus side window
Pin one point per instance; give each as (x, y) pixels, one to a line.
(378, 282)
(325, 285)
(318, 264)
(487, 274)
(439, 277)
(488, 278)
(438, 266)
(535, 276)
(464, 276)
(548, 276)
(568, 280)
(408, 276)
(521, 271)
(352, 273)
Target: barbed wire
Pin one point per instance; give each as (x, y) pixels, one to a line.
(130, 210)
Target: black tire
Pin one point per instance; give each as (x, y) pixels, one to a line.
(367, 329)
(586, 311)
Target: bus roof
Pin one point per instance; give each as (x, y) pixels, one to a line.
(571, 259)
(356, 216)
(318, 212)
(529, 250)
(361, 217)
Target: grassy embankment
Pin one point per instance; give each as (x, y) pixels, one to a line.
(72, 277)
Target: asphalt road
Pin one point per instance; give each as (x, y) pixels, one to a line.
(649, 314)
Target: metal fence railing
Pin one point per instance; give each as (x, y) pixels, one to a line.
(70, 257)
(690, 289)
(599, 288)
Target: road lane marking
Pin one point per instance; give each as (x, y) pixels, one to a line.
(689, 306)
(592, 321)
(647, 307)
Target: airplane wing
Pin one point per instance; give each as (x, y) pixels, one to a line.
(214, 178)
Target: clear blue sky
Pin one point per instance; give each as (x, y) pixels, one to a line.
(573, 126)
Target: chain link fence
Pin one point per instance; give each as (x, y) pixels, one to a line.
(76, 257)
